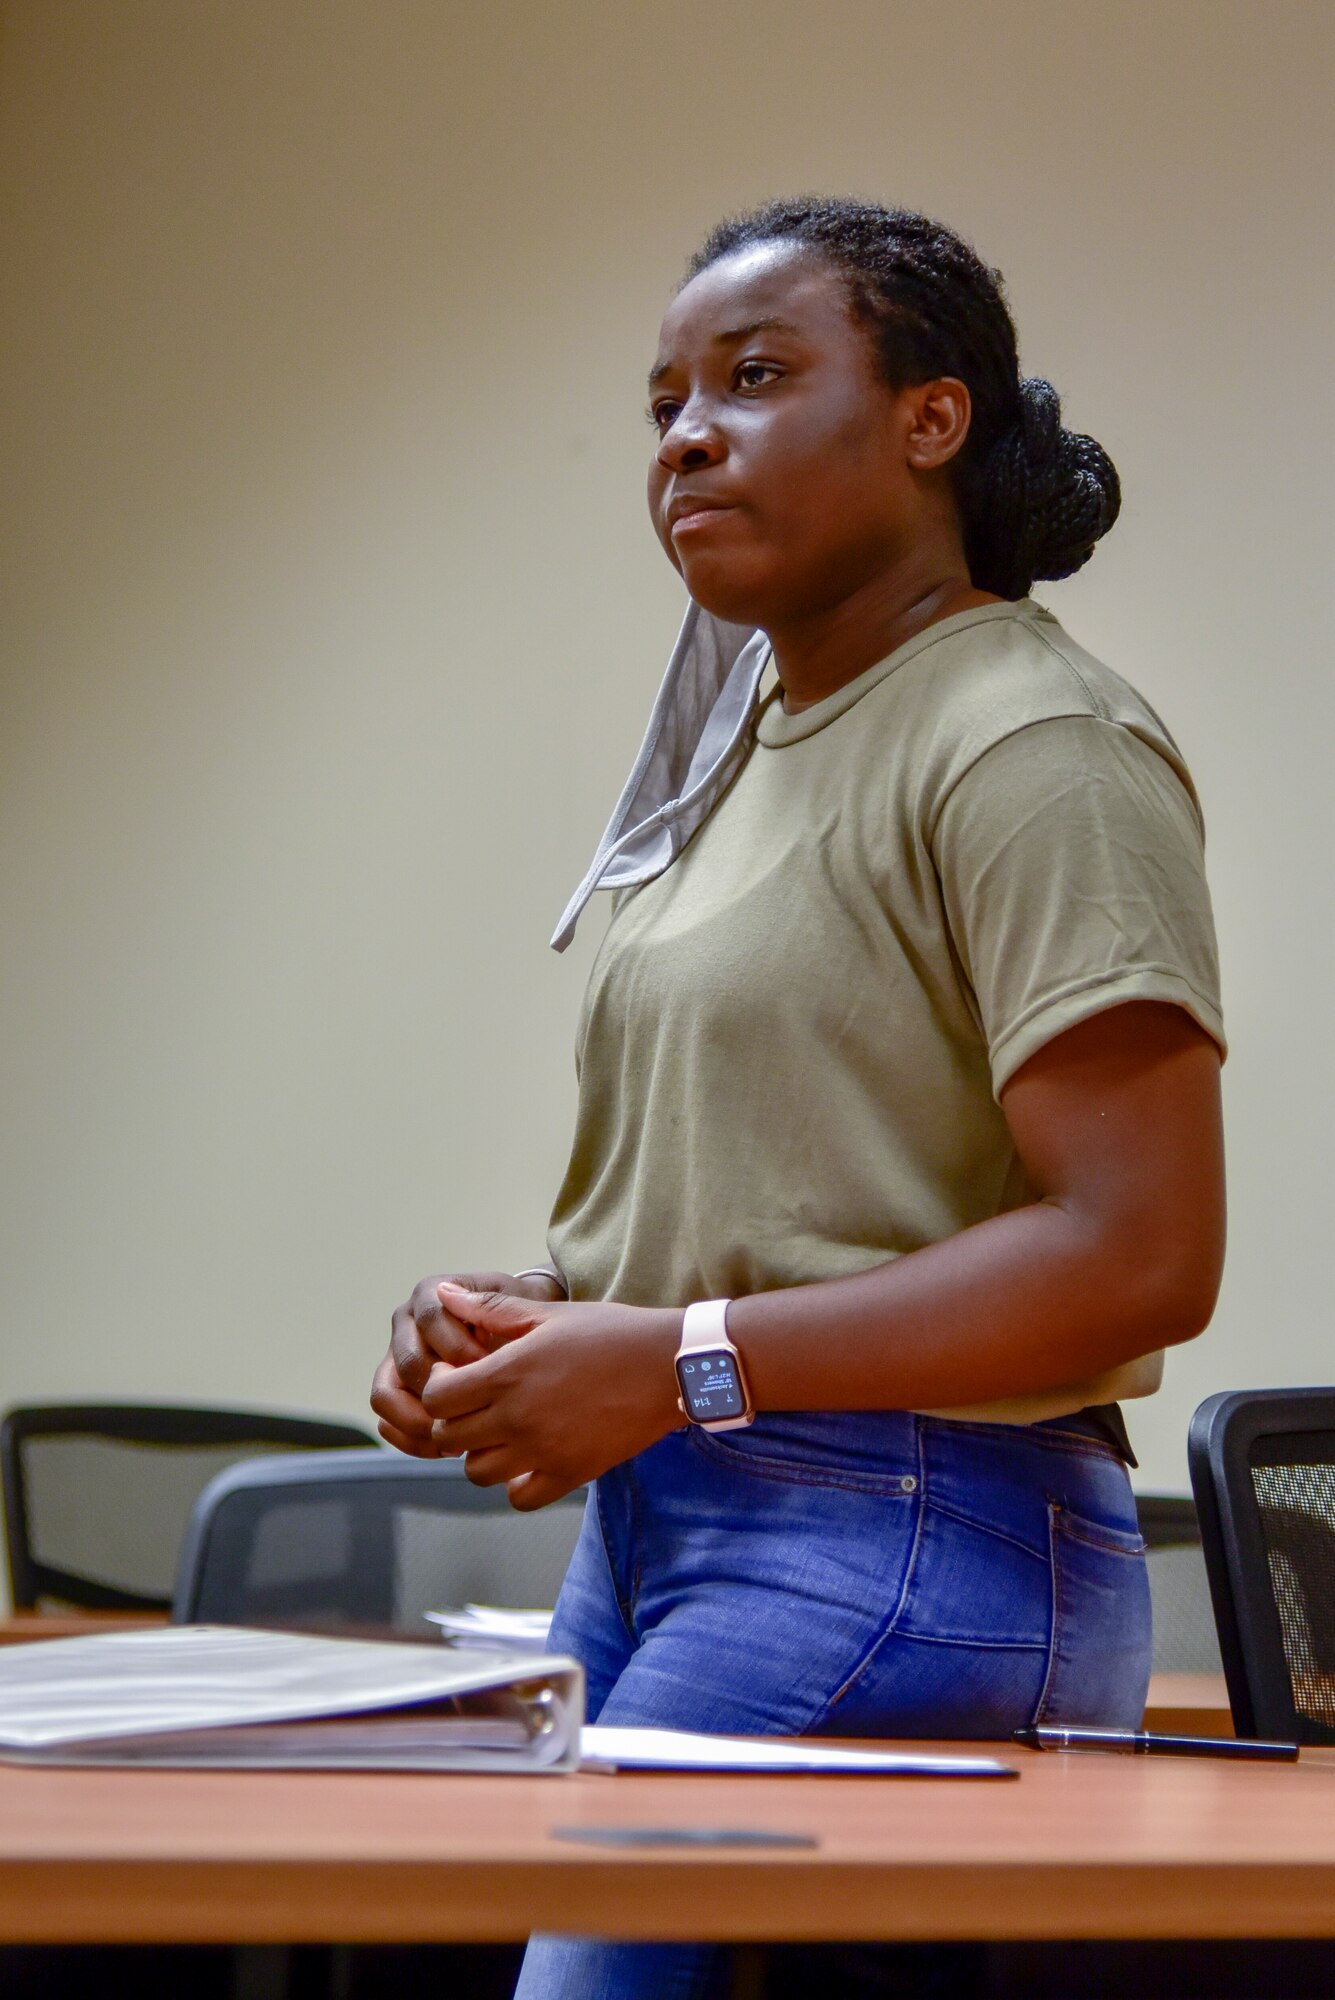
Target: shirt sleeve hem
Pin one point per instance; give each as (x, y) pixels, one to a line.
(1081, 1001)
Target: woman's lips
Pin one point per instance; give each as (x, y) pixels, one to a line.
(691, 519)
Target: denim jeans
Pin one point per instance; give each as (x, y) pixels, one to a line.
(850, 1574)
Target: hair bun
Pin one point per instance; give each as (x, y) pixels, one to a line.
(1040, 419)
(1072, 494)
(1051, 492)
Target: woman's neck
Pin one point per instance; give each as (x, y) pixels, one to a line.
(817, 656)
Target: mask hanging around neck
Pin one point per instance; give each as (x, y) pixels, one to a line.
(696, 738)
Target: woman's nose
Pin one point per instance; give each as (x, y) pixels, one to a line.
(690, 444)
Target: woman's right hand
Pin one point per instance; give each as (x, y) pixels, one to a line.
(422, 1334)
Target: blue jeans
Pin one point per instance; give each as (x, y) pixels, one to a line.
(847, 1574)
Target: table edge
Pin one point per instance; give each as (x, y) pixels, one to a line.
(802, 1898)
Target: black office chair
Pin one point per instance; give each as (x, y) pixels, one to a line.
(97, 1496)
(1185, 1640)
(1263, 1471)
(364, 1541)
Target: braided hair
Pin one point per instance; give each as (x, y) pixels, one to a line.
(1033, 497)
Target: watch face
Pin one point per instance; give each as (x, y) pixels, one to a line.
(710, 1387)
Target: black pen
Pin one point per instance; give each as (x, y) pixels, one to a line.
(1140, 1743)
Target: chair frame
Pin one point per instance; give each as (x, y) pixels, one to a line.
(1168, 1521)
(129, 1423)
(442, 1481)
(1251, 1644)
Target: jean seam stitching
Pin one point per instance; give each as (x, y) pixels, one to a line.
(885, 1485)
(1041, 1707)
(887, 1629)
(1051, 1440)
(971, 1645)
(622, 1609)
(1092, 1539)
(984, 1528)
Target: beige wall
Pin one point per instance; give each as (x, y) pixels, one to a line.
(333, 614)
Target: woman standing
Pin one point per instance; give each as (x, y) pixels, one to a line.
(899, 1066)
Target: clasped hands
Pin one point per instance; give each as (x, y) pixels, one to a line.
(533, 1393)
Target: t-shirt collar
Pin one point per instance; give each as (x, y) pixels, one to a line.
(776, 728)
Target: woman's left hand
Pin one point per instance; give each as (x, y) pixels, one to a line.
(586, 1388)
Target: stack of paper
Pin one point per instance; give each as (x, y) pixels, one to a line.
(486, 1628)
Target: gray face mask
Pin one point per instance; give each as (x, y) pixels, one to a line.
(697, 736)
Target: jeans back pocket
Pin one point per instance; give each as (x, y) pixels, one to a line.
(1099, 1655)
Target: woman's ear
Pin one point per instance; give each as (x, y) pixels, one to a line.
(940, 412)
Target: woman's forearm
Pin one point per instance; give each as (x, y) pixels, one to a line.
(1026, 1302)
(1118, 1122)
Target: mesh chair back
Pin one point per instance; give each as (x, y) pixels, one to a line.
(1263, 1470)
(97, 1497)
(1185, 1640)
(365, 1541)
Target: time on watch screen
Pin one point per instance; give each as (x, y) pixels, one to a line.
(709, 1385)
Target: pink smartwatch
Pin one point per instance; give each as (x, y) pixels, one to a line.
(714, 1393)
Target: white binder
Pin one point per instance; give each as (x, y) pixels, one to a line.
(225, 1697)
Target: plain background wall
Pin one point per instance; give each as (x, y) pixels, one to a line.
(333, 614)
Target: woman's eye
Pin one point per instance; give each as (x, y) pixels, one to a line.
(756, 374)
(663, 415)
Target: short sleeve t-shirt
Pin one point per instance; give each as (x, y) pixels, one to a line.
(794, 1040)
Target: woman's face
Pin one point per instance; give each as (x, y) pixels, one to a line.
(788, 476)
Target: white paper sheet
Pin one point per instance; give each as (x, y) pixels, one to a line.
(492, 1628)
(613, 1749)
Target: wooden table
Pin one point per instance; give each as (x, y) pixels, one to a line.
(1078, 1847)
(19, 1627)
(1189, 1705)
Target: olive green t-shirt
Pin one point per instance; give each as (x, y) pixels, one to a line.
(793, 1040)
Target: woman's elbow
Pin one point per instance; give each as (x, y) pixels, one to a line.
(1177, 1288)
